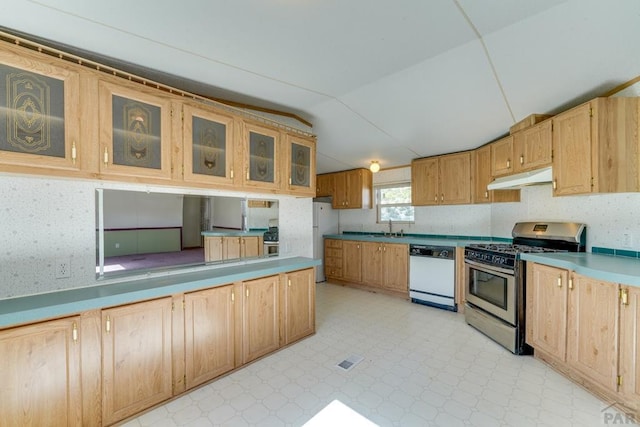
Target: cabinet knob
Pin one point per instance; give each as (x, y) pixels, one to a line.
(486, 194)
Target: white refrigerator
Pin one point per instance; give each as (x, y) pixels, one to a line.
(325, 221)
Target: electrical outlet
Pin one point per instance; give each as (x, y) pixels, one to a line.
(63, 268)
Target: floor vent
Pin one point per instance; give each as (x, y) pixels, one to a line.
(348, 363)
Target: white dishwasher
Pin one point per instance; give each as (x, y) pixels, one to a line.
(432, 276)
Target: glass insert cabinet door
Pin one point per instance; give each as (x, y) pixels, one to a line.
(39, 114)
(209, 148)
(135, 132)
(262, 161)
(301, 162)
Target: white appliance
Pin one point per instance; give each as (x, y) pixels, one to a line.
(325, 221)
(432, 276)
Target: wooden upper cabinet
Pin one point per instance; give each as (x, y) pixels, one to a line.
(441, 180)
(595, 147)
(502, 157)
(572, 148)
(39, 114)
(481, 173)
(455, 178)
(425, 182)
(532, 147)
(135, 132)
(301, 165)
(40, 373)
(209, 147)
(262, 150)
(325, 184)
(353, 189)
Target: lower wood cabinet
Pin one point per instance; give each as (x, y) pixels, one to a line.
(218, 248)
(260, 317)
(630, 347)
(40, 373)
(136, 358)
(588, 329)
(298, 306)
(209, 329)
(103, 366)
(375, 265)
(385, 265)
(593, 325)
(352, 261)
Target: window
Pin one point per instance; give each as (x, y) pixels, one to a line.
(394, 203)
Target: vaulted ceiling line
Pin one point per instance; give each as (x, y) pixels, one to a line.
(488, 56)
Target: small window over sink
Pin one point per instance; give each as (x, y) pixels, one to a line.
(393, 203)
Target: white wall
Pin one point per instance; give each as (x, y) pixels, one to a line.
(227, 212)
(44, 219)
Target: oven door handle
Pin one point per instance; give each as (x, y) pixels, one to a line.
(489, 267)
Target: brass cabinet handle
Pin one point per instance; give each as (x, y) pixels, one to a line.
(624, 296)
(233, 296)
(555, 184)
(435, 199)
(231, 174)
(74, 332)
(522, 160)
(442, 197)
(289, 282)
(486, 194)
(107, 325)
(559, 281)
(105, 157)
(508, 163)
(73, 152)
(571, 284)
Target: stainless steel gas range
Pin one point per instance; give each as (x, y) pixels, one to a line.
(496, 278)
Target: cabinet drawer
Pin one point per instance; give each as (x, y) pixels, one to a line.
(333, 271)
(333, 262)
(331, 243)
(333, 253)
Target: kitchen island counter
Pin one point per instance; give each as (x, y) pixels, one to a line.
(34, 308)
(618, 269)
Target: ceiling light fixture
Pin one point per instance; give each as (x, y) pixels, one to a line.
(375, 166)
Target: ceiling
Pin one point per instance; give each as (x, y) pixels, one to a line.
(379, 80)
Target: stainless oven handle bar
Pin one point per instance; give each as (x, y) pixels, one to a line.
(506, 271)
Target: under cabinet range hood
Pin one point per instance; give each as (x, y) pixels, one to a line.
(538, 176)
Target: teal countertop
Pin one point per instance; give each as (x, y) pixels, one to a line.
(618, 269)
(424, 239)
(27, 309)
(221, 232)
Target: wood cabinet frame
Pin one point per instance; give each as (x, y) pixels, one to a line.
(106, 92)
(232, 153)
(248, 128)
(310, 144)
(74, 140)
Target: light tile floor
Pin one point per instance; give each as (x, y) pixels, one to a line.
(422, 367)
